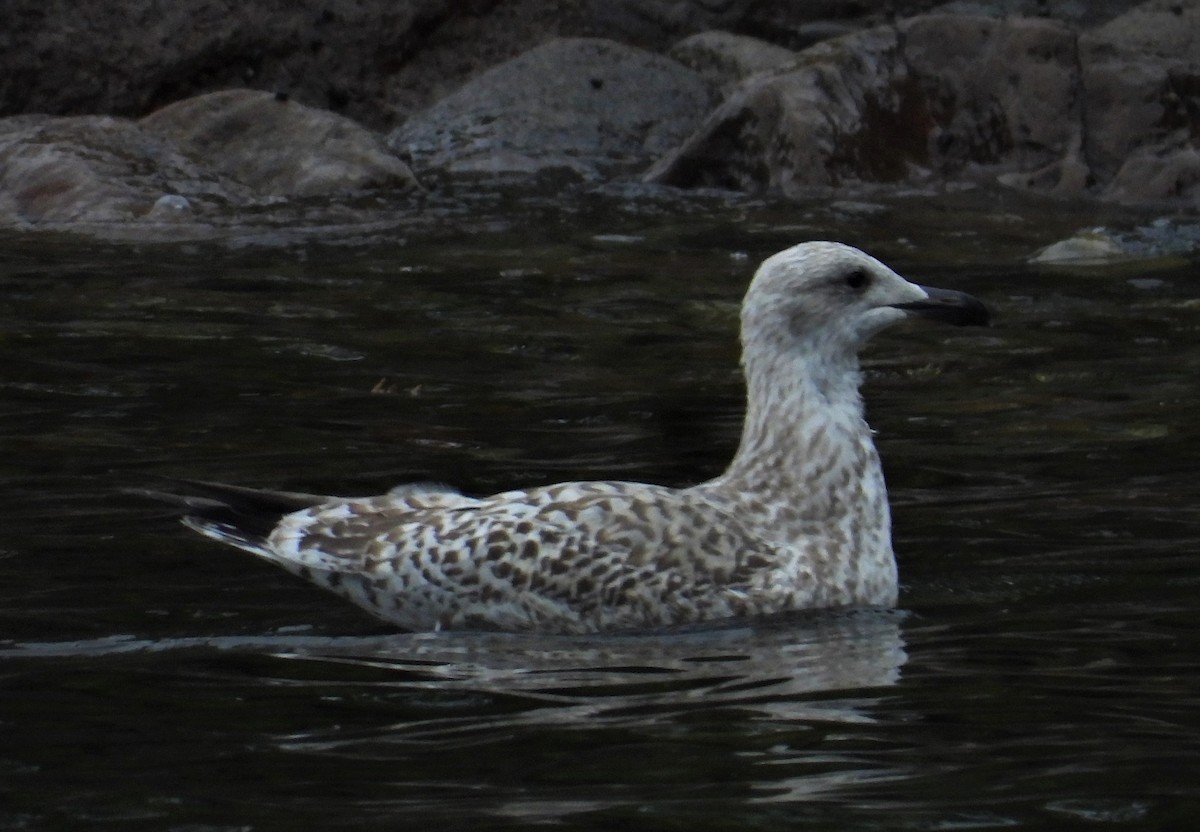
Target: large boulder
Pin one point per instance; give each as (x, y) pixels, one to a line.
(940, 98)
(998, 92)
(198, 158)
(279, 147)
(586, 107)
(98, 169)
(1141, 76)
(935, 95)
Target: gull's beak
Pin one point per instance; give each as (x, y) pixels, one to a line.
(955, 308)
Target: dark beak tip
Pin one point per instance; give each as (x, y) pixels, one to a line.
(950, 307)
(969, 312)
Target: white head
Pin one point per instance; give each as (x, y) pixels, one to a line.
(829, 298)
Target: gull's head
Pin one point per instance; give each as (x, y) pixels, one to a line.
(831, 298)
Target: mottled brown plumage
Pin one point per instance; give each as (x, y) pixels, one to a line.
(799, 520)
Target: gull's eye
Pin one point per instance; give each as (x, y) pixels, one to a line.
(857, 279)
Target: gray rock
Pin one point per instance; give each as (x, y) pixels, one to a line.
(1112, 112)
(1085, 248)
(97, 169)
(655, 24)
(169, 207)
(724, 59)
(1158, 171)
(1164, 239)
(189, 162)
(944, 98)
(1077, 13)
(132, 57)
(998, 92)
(587, 107)
(1141, 77)
(834, 116)
(279, 147)
(376, 61)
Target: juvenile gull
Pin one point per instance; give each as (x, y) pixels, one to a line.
(799, 520)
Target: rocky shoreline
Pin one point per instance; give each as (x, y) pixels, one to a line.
(686, 95)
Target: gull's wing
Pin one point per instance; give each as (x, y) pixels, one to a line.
(575, 557)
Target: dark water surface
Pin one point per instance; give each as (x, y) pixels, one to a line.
(1043, 673)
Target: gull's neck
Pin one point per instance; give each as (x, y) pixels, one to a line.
(804, 427)
(807, 470)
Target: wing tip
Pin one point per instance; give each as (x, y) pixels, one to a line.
(228, 534)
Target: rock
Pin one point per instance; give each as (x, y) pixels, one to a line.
(132, 57)
(723, 59)
(934, 100)
(587, 107)
(998, 92)
(97, 169)
(376, 61)
(945, 98)
(847, 111)
(192, 160)
(1074, 12)
(278, 147)
(938, 94)
(1141, 77)
(1167, 240)
(170, 207)
(655, 24)
(1158, 172)
(1085, 248)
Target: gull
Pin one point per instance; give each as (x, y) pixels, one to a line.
(799, 519)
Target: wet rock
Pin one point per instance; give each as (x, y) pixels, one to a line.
(581, 106)
(723, 59)
(170, 207)
(1163, 239)
(1085, 248)
(98, 169)
(276, 146)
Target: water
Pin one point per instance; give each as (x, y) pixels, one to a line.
(1043, 672)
